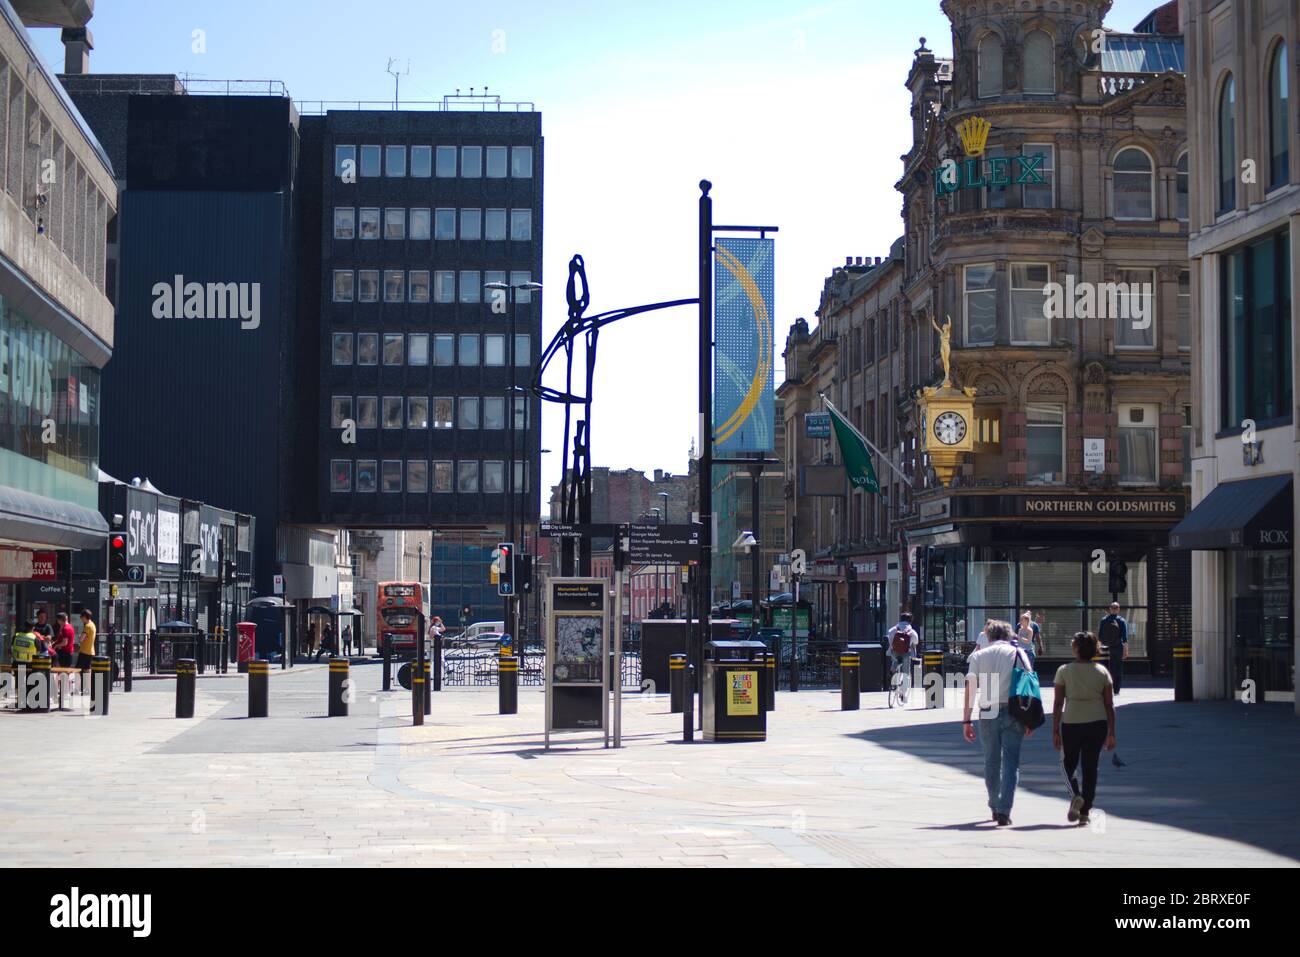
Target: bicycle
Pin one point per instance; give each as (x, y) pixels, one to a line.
(900, 682)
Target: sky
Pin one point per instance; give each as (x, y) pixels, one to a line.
(796, 112)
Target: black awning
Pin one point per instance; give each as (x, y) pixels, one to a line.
(1256, 513)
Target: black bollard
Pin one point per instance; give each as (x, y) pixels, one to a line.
(417, 697)
(388, 665)
(128, 664)
(770, 688)
(850, 682)
(101, 684)
(688, 706)
(1183, 671)
(259, 688)
(676, 682)
(428, 686)
(338, 688)
(508, 685)
(437, 662)
(36, 689)
(186, 671)
(931, 678)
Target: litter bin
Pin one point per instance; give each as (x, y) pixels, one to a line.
(733, 709)
(871, 673)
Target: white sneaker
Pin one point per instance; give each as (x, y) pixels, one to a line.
(1076, 807)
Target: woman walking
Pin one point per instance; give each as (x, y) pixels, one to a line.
(1083, 721)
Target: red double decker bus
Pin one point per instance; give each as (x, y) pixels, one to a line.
(398, 606)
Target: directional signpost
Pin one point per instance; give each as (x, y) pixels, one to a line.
(664, 544)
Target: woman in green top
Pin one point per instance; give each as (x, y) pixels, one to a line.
(1083, 720)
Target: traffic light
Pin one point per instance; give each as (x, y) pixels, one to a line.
(1118, 578)
(117, 556)
(525, 570)
(506, 565)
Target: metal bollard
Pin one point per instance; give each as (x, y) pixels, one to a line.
(428, 686)
(186, 671)
(338, 688)
(128, 665)
(36, 687)
(508, 685)
(259, 688)
(437, 662)
(101, 684)
(932, 671)
(388, 666)
(688, 706)
(417, 697)
(1183, 671)
(769, 689)
(850, 682)
(676, 682)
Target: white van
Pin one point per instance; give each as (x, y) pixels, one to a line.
(480, 628)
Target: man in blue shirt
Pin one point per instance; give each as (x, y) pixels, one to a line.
(1113, 633)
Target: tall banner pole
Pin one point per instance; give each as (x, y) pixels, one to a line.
(617, 675)
(706, 419)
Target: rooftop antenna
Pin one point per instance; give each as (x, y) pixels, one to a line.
(397, 79)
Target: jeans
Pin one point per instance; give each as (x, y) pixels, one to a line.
(1083, 741)
(1001, 738)
(1117, 666)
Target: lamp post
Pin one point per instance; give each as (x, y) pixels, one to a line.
(511, 294)
(665, 570)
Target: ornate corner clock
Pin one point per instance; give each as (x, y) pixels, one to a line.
(947, 416)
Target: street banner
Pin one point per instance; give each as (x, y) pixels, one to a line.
(744, 396)
(853, 449)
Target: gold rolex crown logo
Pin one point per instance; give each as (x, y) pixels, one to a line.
(974, 133)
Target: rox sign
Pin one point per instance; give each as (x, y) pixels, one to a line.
(976, 172)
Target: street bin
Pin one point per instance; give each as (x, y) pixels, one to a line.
(175, 640)
(872, 672)
(733, 709)
(246, 648)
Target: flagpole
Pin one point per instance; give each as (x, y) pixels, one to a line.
(866, 441)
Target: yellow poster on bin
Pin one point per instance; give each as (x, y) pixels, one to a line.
(742, 693)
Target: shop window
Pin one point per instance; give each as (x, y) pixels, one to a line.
(1045, 444)
(1139, 444)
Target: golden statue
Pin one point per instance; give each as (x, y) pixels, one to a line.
(945, 349)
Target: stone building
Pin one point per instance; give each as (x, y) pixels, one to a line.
(1045, 208)
(1245, 217)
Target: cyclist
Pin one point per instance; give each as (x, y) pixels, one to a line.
(901, 642)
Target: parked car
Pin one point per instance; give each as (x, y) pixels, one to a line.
(479, 640)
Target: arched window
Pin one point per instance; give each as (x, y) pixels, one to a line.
(1040, 63)
(1183, 187)
(990, 65)
(1133, 185)
(1279, 110)
(1228, 146)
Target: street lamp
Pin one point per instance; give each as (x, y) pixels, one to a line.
(659, 569)
(746, 542)
(511, 291)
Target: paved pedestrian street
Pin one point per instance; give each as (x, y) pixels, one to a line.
(1204, 784)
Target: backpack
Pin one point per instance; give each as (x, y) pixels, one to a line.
(902, 642)
(1026, 700)
(1110, 633)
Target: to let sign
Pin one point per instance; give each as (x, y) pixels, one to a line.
(817, 425)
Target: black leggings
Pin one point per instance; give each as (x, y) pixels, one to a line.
(1083, 741)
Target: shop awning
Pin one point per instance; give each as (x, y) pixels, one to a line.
(1256, 513)
(49, 523)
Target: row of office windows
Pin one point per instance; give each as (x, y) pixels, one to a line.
(414, 349)
(372, 222)
(1131, 301)
(442, 413)
(1133, 195)
(420, 476)
(475, 162)
(1138, 438)
(401, 285)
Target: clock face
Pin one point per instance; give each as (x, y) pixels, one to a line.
(950, 428)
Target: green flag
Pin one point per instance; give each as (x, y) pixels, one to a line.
(853, 447)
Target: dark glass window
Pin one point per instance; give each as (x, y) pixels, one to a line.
(1256, 332)
(1279, 108)
(1228, 146)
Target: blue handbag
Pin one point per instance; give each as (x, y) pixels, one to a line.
(1026, 699)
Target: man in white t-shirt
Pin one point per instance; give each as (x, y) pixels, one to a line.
(989, 671)
(900, 658)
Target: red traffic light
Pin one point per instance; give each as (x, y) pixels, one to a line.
(118, 541)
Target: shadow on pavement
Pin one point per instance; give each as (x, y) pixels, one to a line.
(1217, 768)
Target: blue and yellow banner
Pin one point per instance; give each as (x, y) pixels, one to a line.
(744, 396)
